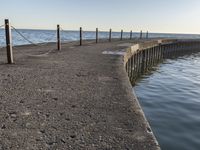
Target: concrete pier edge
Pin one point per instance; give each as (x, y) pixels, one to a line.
(76, 98)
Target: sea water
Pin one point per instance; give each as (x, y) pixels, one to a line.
(170, 98)
(42, 36)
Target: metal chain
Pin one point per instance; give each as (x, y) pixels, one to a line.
(23, 36)
(36, 44)
(1, 47)
(62, 39)
(62, 29)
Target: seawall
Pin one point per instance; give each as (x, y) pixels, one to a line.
(141, 57)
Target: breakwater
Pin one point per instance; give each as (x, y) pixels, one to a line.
(143, 56)
(77, 98)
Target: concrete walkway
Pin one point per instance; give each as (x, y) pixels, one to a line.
(76, 98)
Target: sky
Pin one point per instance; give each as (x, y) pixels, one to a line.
(163, 16)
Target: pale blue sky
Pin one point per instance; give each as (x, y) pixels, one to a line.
(171, 16)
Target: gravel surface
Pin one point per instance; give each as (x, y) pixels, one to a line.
(76, 98)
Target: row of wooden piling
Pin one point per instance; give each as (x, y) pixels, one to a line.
(142, 60)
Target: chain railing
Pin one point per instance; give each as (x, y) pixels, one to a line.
(58, 37)
(1, 26)
(29, 41)
(62, 38)
(26, 39)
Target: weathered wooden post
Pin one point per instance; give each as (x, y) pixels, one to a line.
(8, 42)
(141, 34)
(146, 59)
(152, 56)
(135, 67)
(132, 63)
(156, 54)
(137, 64)
(58, 38)
(81, 35)
(128, 67)
(121, 35)
(147, 35)
(143, 61)
(110, 35)
(131, 35)
(147, 63)
(162, 51)
(97, 35)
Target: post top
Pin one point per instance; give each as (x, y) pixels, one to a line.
(6, 20)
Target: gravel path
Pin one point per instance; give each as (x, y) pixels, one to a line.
(76, 98)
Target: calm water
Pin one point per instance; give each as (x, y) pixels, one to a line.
(40, 36)
(170, 98)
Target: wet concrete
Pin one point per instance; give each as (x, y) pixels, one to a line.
(76, 98)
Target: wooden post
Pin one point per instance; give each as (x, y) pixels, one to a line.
(121, 35)
(147, 35)
(58, 38)
(81, 35)
(135, 63)
(110, 35)
(8, 42)
(131, 35)
(140, 62)
(131, 71)
(141, 34)
(143, 61)
(152, 56)
(147, 64)
(97, 35)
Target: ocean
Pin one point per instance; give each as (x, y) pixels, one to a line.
(43, 36)
(170, 98)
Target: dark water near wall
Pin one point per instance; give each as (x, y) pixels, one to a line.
(40, 36)
(170, 98)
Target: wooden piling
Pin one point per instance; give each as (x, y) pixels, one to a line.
(147, 59)
(140, 63)
(110, 35)
(8, 42)
(147, 35)
(153, 56)
(81, 35)
(131, 35)
(141, 34)
(58, 38)
(143, 62)
(134, 67)
(137, 65)
(97, 35)
(121, 35)
(162, 51)
(131, 69)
